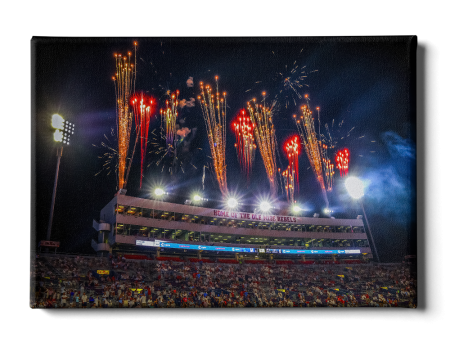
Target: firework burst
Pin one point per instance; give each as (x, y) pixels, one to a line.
(142, 108)
(261, 118)
(110, 155)
(291, 174)
(245, 141)
(169, 118)
(315, 149)
(124, 82)
(342, 161)
(214, 113)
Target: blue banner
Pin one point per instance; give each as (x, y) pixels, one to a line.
(163, 244)
(205, 247)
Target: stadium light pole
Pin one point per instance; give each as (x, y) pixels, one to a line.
(355, 188)
(64, 130)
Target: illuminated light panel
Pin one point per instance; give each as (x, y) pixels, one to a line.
(232, 203)
(159, 192)
(57, 121)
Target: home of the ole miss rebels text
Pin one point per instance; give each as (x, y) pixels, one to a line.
(254, 217)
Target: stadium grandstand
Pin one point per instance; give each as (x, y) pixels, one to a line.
(131, 280)
(146, 227)
(156, 254)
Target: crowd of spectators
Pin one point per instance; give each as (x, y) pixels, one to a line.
(65, 281)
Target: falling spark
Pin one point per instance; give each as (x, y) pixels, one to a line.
(261, 118)
(110, 155)
(342, 161)
(245, 142)
(124, 82)
(169, 116)
(142, 108)
(214, 114)
(315, 149)
(291, 174)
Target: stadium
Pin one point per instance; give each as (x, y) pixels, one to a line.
(156, 254)
(258, 229)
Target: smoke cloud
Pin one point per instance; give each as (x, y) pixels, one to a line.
(183, 132)
(184, 103)
(391, 186)
(398, 146)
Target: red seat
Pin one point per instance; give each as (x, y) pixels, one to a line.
(136, 257)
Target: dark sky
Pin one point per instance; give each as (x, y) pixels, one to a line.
(364, 82)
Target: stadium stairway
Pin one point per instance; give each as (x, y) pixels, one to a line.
(48, 265)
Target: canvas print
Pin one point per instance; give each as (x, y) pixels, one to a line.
(223, 172)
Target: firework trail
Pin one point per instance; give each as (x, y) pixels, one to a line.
(315, 149)
(245, 142)
(169, 116)
(124, 83)
(342, 161)
(291, 174)
(142, 108)
(261, 118)
(289, 184)
(214, 114)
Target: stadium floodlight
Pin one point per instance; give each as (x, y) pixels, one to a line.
(355, 188)
(265, 206)
(57, 121)
(64, 130)
(58, 136)
(296, 209)
(327, 211)
(197, 198)
(159, 192)
(232, 203)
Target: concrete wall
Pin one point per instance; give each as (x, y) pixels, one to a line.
(194, 210)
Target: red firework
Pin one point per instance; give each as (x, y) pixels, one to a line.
(292, 150)
(342, 161)
(143, 109)
(245, 141)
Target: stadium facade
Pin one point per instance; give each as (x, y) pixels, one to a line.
(149, 227)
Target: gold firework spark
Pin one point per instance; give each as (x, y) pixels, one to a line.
(169, 116)
(261, 117)
(315, 149)
(214, 114)
(124, 82)
(289, 183)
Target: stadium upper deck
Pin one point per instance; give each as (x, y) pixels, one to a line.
(135, 224)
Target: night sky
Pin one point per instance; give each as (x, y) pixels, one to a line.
(366, 83)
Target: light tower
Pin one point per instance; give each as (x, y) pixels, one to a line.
(63, 131)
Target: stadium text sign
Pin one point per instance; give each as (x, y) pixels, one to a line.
(254, 217)
(50, 244)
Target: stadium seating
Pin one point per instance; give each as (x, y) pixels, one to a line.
(352, 261)
(301, 283)
(306, 262)
(284, 262)
(139, 257)
(196, 260)
(228, 261)
(255, 261)
(173, 259)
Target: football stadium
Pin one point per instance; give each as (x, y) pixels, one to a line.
(173, 193)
